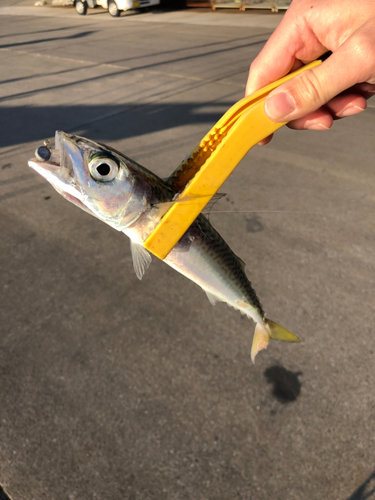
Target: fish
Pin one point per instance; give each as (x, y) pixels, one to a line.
(130, 198)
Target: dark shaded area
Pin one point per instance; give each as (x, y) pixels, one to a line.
(153, 117)
(366, 490)
(41, 75)
(286, 386)
(3, 495)
(172, 4)
(39, 31)
(33, 42)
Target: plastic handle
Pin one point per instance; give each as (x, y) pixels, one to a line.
(211, 163)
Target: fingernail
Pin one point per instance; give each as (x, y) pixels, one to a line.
(367, 87)
(279, 106)
(352, 110)
(316, 126)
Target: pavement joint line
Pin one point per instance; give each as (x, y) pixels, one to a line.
(38, 54)
(295, 212)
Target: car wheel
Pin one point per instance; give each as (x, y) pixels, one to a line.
(81, 7)
(113, 9)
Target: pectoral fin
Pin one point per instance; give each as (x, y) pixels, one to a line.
(269, 330)
(141, 259)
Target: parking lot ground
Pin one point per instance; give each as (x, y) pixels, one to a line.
(112, 388)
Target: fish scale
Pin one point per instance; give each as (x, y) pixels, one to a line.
(218, 250)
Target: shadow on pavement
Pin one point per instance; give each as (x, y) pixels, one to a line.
(286, 386)
(64, 28)
(33, 42)
(22, 124)
(3, 495)
(366, 490)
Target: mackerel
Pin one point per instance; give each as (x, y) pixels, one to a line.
(132, 199)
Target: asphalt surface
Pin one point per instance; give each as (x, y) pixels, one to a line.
(117, 389)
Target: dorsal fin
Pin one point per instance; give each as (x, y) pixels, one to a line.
(166, 205)
(241, 263)
(216, 197)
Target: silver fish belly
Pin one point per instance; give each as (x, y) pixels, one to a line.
(204, 257)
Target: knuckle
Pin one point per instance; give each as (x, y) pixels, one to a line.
(362, 50)
(309, 90)
(362, 46)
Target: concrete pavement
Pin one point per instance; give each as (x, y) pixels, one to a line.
(113, 388)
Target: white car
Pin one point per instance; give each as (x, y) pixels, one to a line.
(114, 6)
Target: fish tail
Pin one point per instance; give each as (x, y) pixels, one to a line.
(269, 330)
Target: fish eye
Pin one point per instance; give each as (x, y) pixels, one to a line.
(43, 153)
(103, 169)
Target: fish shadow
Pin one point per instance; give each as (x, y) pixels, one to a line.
(366, 490)
(286, 385)
(3, 495)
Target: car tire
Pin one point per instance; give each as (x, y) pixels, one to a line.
(81, 7)
(113, 9)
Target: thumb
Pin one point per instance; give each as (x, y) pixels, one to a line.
(313, 88)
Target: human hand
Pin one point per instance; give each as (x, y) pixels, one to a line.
(336, 88)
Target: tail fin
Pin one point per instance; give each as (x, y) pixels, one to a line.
(269, 330)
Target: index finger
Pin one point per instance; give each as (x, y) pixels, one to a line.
(279, 56)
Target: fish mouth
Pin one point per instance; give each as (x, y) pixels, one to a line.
(58, 169)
